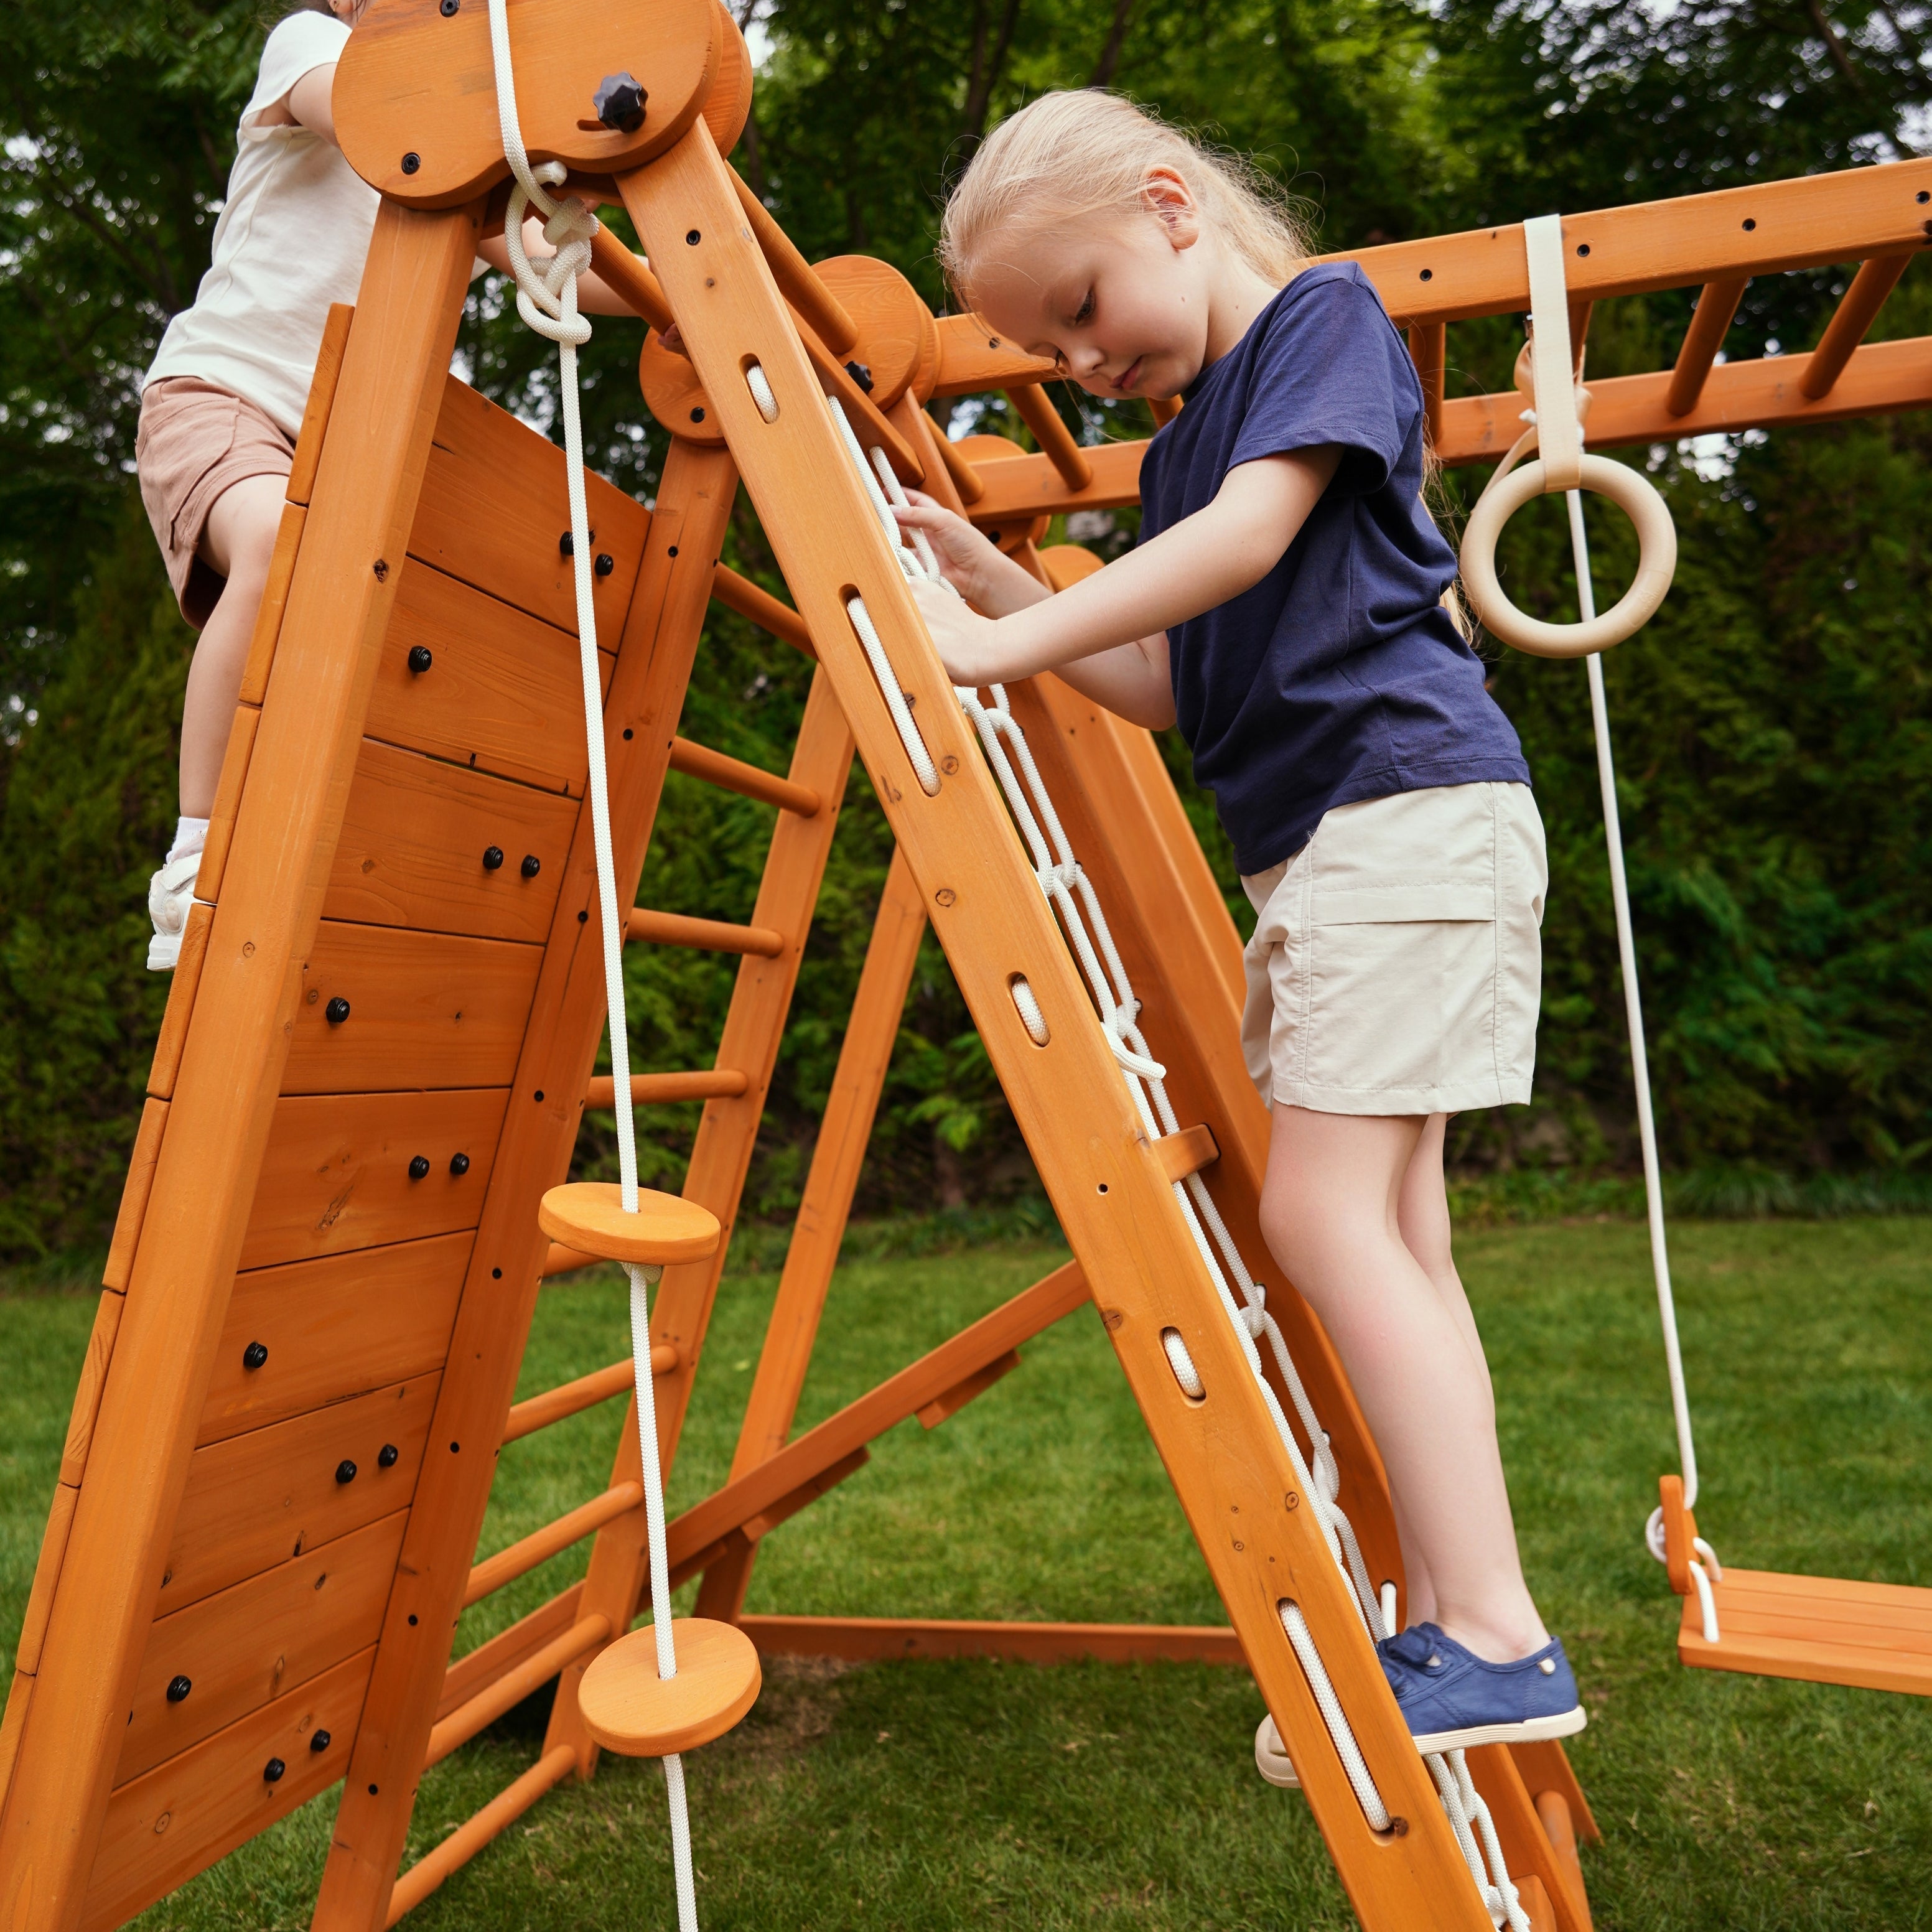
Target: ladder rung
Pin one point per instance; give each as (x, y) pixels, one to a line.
(1186, 1153)
(540, 1546)
(741, 594)
(586, 1392)
(730, 774)
(513, 1686)
(659, 1090)
(702, 935)
(1055, 439)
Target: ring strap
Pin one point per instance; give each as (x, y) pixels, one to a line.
(1559, 437)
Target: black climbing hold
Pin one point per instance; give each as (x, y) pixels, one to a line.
(419, 1167)
(459, 1165)
(272, 1770)
(860, 374)
(254, 1355)
(605, 563)
(318, 1740)
(385, 1456)
(345, 1470)
(619, 102)
(493, 857)
(531, 866)
(411, 162)
(336, 1011)
(420, 659)
(178, 1687)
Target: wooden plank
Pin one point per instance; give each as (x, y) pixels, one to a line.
(572, 1398)
(235, 759)
(870, 1640)
(163, 1828)
(335, 1174)
(394, 370)
(1055, 439)
(1012, 487)
(268, 630)
(329, 354)
(46, 1578)
(496, 508)
(1850, 321)
(134, 1192)
(257, 1500)
(801, 286)
(529, 1675)
(838, 1156)
(1877, 1636)
(242, 1647)
(419, 1009)
(331, 1329)
(1528, 1851)
(186, 977)
(501, 692)
(656, 651)
(1545, 1769)
(416, 843)
(86, 1410)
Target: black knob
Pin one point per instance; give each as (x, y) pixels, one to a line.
(336, 1011)
(411, 162)
(493, 857)
(419, 1167)
(420, 659)
(386, 1456)
(860, 374)
(318, 1740)
(459, 1165)
(697, 416)
(273, 1770)
(345, 1470)
(449, 7)
(178, 1687)
(255, 1354)
(531, 866)
(605, 563)
(566, 545)
(618, 103)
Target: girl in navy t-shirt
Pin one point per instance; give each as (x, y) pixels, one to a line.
(1286, 607)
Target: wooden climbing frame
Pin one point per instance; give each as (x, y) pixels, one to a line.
(376, 1048)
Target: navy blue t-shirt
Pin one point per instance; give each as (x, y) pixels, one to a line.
(1338, 676)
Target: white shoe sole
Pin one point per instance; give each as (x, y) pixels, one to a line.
(1270, 1760)
(164, 953)
(1531, 1731)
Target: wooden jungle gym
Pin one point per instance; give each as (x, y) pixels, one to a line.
(377, 1050)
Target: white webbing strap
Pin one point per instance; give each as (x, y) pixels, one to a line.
(1559, 441)
(547, 303)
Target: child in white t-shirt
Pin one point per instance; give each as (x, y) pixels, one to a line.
(223, 401)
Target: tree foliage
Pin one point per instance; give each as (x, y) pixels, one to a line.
(1773, 723)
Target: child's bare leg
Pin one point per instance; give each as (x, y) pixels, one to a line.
(238, 542)
(1330, 1213)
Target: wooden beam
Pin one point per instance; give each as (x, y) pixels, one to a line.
(1716, 305)
(1428, 349)
(803, 287)
(1850, 320)
(1055, 440)
(870, 1640)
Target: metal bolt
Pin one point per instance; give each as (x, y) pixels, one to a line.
(345, 1470)
(336, 1011)
(697, 416)
(459, 1165)
(493, 857)
(319, 1741)
(420, 659)
(272, 1770)
(694, 238)
(620, 102)
(254, 1355)
(381, 567)
(385, 1456)
(860, 374)
(178, 1687)
(531, 866)
(419, 1167)
(411, 162)
(449, 7)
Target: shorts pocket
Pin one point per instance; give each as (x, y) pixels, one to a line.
(1440, 900)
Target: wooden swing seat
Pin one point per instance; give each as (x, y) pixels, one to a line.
(1876, 1636)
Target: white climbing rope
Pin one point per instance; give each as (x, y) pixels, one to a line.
(547, 303)
(1084, 926)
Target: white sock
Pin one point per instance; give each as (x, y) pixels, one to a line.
(190, 837)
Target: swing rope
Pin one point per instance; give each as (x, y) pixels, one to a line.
(1083, 924)
(548, 304)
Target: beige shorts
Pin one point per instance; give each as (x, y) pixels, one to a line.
(1396, 966)
(195, 440)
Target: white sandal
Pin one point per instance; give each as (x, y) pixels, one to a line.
(170, 893)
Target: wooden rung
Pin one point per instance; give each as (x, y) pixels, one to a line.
(1428, 349)
(539, 1411)
(561, 1260)
(1717, 307)
(702, 935)
(1165, 408)
(868, 422)
(1850, 320)
(965, 479)
(463, 1844)
(741, 594)
(628, 277)
(1186, 1153)
(661, 1090)
(730, 774)
(1055, 439)
(1552, 1812)
(868, 1637)
(474, 1670)
(1822, 1629)
(493, 1572)
(802, 286)
(513, 1686)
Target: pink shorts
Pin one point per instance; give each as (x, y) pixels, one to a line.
(195, 440)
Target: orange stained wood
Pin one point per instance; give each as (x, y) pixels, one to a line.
(804, 287)
(1546, 1772)
(1056, 441)
(340, 1171)
(655, 1090)
(1018, 485)
(254, 1500)
(235, 760)
(501, 690)
(186, 977)
(275, 599)
(1186, 1153)
(1063, 564)
(965, 479)
(442, 849)
(162, 1828)
(750, 600)
(1428, 346)
(590, 1215)
(231, 1653)
(1560, 1828)
(864, 1639)
(943, 1407)
(1820, 1629)
(898, 338)
(532, 1674)
(81, 1419)
(972, 359)
(727, 107)
(674, 395)
(474, 1671)
(572, 1398)
(1531, 1854)
(46, 1579)
(1717, 307)
(1855, 314)
(301, 1337)
(655, 648)
(219, 1116)
(383, 1007)
(628, 1707)
(628, 276)
(505, 1566)
(869, 424)
(329, 356)
(702, 935)
(417, 118)
(134, 1192)
(730, 774)
(495, 513)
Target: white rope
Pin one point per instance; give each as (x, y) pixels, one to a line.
(547, 303)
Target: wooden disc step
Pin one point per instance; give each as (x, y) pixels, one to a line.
(628, 1707)
(589, 1215)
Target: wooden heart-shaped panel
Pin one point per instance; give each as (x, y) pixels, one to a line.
(415, 90)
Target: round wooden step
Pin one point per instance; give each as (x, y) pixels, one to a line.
(628, 1707)
(589, 1215)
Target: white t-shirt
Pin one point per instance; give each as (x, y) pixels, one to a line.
(291, 240)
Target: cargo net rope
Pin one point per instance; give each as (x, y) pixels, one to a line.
(1084, 926)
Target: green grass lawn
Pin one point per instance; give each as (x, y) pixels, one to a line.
(930, 1795)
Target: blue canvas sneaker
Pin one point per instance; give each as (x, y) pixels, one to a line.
(1451, 1698)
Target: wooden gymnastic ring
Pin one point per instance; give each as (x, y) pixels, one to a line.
(1636, 495)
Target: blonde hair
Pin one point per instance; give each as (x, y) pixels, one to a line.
(1070, 154)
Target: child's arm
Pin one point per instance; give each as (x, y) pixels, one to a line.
(1203, 560)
